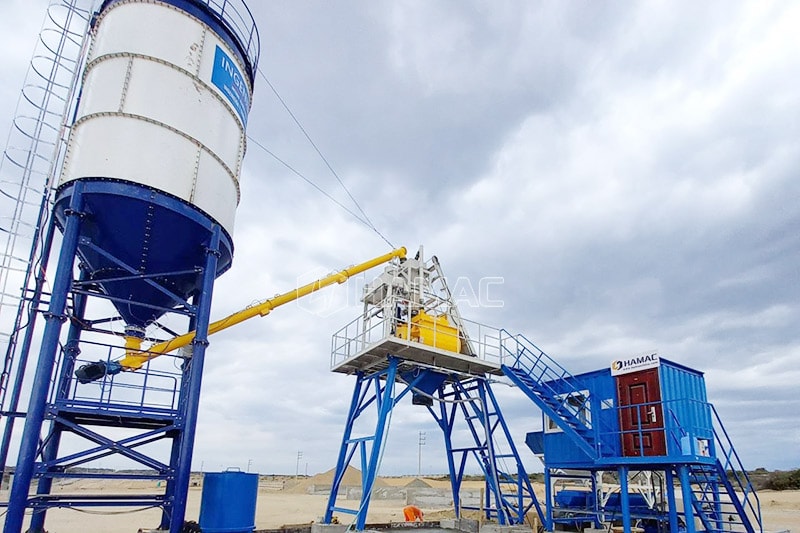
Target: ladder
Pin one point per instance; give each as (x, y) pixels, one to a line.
(28, 168)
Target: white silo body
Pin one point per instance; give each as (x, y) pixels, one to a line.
(164, 105)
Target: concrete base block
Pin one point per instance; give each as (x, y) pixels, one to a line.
(460, 524)
(495, 528)
(328, 528)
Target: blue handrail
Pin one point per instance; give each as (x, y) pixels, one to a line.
(738, 470)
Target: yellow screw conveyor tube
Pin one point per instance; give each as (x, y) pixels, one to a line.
(135, 357)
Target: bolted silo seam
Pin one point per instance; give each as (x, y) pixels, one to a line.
(196, 142)
(195, 79)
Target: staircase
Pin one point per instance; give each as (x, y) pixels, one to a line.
(723, 496)
(717, 504)
(551, 388)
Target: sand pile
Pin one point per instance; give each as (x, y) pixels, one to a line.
(351, 478)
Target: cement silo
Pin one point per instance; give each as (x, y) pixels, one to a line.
(158, 143)
(145, 204)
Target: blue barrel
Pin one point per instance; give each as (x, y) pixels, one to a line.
(228, 504)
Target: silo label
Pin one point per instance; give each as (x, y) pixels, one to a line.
(228, 79)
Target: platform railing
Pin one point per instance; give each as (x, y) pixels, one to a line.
(365, 331)
(237, 16)
(545, 371)
(684, 421)
(733, 467)
(154, 389)
(559, 389)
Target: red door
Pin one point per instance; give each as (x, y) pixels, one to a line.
(641, 417)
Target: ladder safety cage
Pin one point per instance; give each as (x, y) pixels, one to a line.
(33, 153)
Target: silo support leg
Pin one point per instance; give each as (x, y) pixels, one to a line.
(54, 319)
(194, 373)
(50, 451)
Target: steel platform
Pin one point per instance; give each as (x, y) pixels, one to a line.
(375, 357)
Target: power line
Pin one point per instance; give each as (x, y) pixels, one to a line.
(365, 220)
(304, 178)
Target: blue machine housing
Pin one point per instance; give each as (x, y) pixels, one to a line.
(687, 424)
(650, 429)
(558, 447)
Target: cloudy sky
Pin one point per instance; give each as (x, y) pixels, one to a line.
(630, 171)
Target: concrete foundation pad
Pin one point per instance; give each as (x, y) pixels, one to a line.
(495, 528)
(460, 524)
(328, 528)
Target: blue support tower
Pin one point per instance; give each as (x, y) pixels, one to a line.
(471, 403)
(461, 403)
(67, 409)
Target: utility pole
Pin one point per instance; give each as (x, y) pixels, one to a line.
(249, 464)
(419, 461)
(297, 470)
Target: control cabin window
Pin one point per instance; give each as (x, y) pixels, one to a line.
(578, 404)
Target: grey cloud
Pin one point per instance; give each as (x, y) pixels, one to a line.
(628, 171)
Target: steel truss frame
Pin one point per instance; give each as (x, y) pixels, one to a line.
(464, 404)
(96, 419)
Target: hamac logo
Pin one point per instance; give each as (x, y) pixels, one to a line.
(640, 362)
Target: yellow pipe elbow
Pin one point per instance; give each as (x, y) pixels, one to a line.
(134, 358)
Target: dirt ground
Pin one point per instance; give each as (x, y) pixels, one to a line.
(284, 502)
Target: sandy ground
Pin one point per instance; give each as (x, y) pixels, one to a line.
(291, 505)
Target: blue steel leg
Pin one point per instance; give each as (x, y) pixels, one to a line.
(54, 318)
(169, 489)
(481, 409)
(548, 500)
(624, 498)
(50, 453)
(598, 523)
(341, 462)
(686, 490)
(446, 424)
(175, 447)
(523, 484)
(385, 407)
(27, 339)
(671, 503)
(193, 371)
